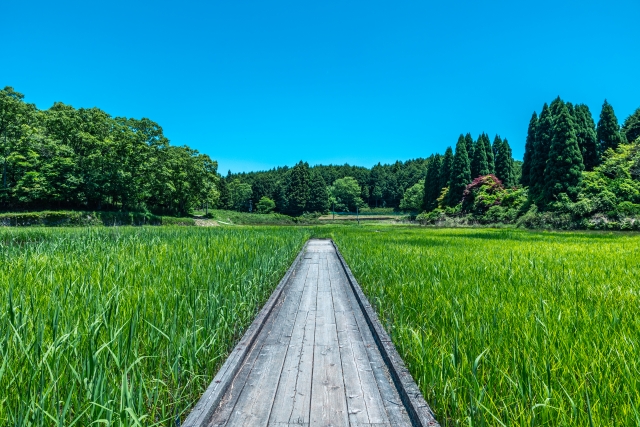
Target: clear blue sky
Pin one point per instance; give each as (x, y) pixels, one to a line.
(256, 84)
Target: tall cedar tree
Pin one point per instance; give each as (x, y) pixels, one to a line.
(528, 150)
(298, 189)
(504, 161)
(432, 187)
(447, 167)
(479, 165)
(495, 147)
(631, 127)
(318, 194)
(587, 138)
(469, 140)
(461, 173)
(540, 154)
(609, 135)
(491, 162)
(563, 172)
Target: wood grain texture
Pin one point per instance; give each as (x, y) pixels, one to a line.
(318, 358)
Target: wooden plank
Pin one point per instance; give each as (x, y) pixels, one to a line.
(302, 395)
(286, 393)
(328, 401)
(371, 397)
(256, 400)
(416, 406)
(205, 407)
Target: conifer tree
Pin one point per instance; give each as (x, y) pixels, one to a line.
(563, 172)
(491, 162)
(479, 165)
(432, 183)
(609, 135)
(461, 173)
(540, 154)
(298, 189)
(447, 167)
(631, 127)
(587, 138)
(511, 167)
(469, 140)
(528, 150)
(504, 161)
(318, 194)
(495, 148)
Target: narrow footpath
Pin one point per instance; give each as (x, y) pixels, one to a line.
(314, 362)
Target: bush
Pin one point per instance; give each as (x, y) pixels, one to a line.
(265, 205)
(83, 219)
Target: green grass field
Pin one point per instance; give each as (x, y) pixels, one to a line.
(126, 326)
(507, 327)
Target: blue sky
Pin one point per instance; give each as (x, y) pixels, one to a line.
(259, 84)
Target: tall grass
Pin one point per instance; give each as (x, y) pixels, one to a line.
(126, 326)
(511, 328)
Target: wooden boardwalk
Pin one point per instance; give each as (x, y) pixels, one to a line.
(314, 361)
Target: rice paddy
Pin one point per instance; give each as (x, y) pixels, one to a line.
(506, 327)
(126, 326)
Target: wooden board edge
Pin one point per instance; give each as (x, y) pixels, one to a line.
(417, 407)
(207, 404)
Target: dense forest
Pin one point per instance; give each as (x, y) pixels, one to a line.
(575, 174)
(84, 159)
(573, 171)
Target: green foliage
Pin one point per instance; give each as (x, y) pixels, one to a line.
(413, 197)
(527, 161)
(83, 218)
(479, 164)
(126, 326)
(432, 182)
(509, 327)
(563, 172)
(468, 139)
(85, 159)
(318, 194)
(345, 194)
(447, 167)
(631, 126)
(491, 164)
(587, 138)
(460, 175)
(239, 195)
(265, 205)
(540, 154)
(504, 162)
(298, 189)
(608, 131)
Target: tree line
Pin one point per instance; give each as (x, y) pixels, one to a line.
(575, 173)
(320, 188)
(85, 159)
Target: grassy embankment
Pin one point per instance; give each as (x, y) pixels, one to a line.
(126, 326)
(509, 327)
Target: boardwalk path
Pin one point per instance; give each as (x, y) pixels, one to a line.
(314, 363)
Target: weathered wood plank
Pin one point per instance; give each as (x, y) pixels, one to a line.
(204, 409)
(328, 401)
(286, 393)
(321, 358)
(412, 399)
(302, 395)
(371, 397)
(256, 400)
